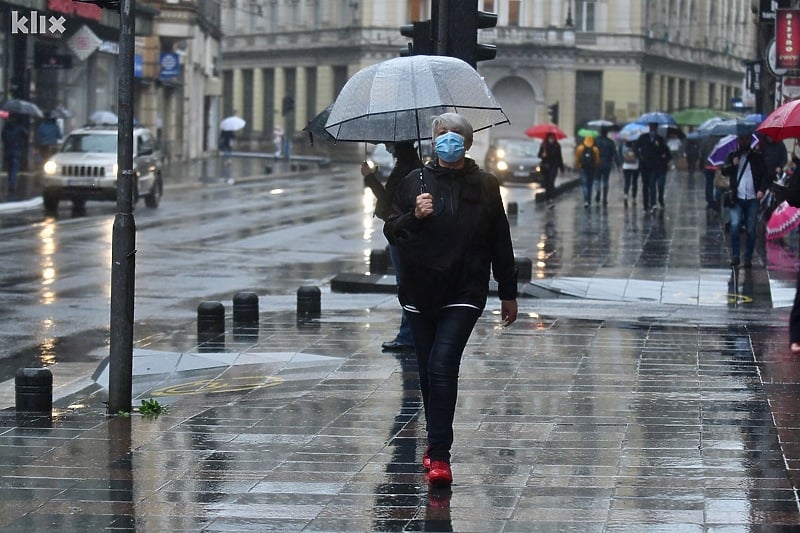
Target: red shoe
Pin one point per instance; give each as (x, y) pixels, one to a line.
(426, 459)
(440, 474)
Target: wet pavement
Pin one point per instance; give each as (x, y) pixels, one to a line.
(645, 387)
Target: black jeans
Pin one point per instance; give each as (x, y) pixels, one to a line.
(440, 342)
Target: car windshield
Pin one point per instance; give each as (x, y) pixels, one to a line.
(521, 149)
(90, 142)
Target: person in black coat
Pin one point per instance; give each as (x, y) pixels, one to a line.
(749, 179)
(451, 231)
(406, 160)
(552, 162)
(654, 157)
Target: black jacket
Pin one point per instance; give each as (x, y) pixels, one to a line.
(385, 194)
(758, 168)
(446, 258)
(551, 156)
(653, 154)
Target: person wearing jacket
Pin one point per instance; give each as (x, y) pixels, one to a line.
(609, 158)
(586, 171)
(749, 178)
(406, 160)
(654, 157)
(552, 162)
(451, 231)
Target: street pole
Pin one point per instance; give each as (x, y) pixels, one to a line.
(442, 37)
(124, 233)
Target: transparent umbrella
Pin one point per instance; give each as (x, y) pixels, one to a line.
(395, 100)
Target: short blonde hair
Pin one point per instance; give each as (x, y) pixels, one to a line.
(453, 122)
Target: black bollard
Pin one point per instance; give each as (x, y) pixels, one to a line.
(513, 209)
(524, 269)
(379, 261)
(211, 326)
(245, 308)
(34, 390)
(308, 302)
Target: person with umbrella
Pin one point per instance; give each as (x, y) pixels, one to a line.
(552, 162)
(654, 157)
(749, 179)
(587, 158)
(609, 157)
(451, 231)
(15, 137)
(406, 160)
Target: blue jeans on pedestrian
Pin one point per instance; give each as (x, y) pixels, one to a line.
(13, 163)
(440, 339)
(708, 174)
(658, 188)
(404, 335)
(743, 211)
(587, 180)
(601, 179)
(648, 187)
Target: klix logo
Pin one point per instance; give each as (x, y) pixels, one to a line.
(33, 23)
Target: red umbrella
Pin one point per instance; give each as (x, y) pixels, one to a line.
(783, 123)
(540, 131)
(783, 220)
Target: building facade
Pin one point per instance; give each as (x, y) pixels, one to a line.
(595, 58)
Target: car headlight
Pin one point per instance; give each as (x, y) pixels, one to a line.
(50, 168)
(500, 153)
(502, 165)
(114, 169)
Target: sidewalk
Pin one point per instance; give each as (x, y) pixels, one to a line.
(650, 389)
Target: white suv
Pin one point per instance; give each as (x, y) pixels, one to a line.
(85, 168)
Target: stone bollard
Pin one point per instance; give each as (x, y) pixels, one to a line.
(308, 302)
(245, 315)
(513, 208)
(379, 261)
(34, 390)
(211, 326)
(524, 269)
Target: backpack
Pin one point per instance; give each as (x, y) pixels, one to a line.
(587, 158)
(630, 155)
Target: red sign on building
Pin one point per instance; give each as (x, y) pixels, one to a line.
(787, 38)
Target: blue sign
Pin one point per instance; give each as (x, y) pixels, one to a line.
(170, 66)
(138, 66)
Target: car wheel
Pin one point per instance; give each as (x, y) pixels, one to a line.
(50, 202)
(153, 198)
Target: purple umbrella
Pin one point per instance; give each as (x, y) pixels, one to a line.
(724, 147)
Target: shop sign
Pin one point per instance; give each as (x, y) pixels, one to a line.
(787, 38)
(170, 66)
(84, 43)
(138, 66)
(77, 9)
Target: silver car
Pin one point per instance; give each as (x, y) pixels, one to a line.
(514, 159)
(85, 168)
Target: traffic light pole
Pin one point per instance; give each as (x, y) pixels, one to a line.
(123, 245)
(441, 12)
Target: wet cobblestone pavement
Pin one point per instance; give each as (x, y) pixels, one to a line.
(650, 390)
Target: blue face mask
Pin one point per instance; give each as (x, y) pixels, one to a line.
(450, 147)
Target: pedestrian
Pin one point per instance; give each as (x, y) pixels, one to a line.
(775, 155)
(609, 158)
(654, 158)
(48, 135)
(226, 142)
(691, 151)
(747, 172)
(587, 159)
(630, 171)
(451, 231)
(15, 136)
(406, 160)
(709, 172)
(552, 162)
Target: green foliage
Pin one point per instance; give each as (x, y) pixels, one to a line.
(151, 407)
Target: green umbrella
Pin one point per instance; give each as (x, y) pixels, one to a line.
(586, 132)
(695, 116)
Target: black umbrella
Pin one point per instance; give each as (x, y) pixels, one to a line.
(22, 107)
(316, 126)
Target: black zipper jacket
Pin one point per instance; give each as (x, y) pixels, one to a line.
(446, 258)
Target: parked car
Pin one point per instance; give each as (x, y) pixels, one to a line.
(514, 159)
(85, 168)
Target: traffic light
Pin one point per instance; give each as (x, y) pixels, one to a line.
(553, 111)
(288, 105)
(463, 22)
(422, 37)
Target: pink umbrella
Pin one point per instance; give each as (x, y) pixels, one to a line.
(783, 220)
(783, 123)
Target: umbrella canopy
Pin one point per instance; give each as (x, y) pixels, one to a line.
(540, 131)
(103, 118)
(600, 123)
(395, 100)
(232, 123)
(732, 127)
(783, 220)
(586, 132)
(695, 116)
(657, 116)
(783, 123)
(22, 107)
(59, 112)
(758, 118)
(316, 126)
(724, 147)
(632, 131)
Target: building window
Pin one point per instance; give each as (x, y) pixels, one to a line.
(513, 12)
(584, 15)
